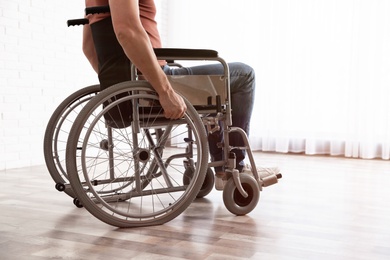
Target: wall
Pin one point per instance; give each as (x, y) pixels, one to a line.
(40, 64)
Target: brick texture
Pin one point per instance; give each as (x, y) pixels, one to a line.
(41, 63)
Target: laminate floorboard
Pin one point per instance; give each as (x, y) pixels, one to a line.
(323, 208)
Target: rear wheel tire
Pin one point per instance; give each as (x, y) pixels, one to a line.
(136, 180)
(57, 132)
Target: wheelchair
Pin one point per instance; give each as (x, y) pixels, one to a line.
(115, 153)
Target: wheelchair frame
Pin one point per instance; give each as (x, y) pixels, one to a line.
(240, 194)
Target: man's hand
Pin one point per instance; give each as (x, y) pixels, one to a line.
(173, 105)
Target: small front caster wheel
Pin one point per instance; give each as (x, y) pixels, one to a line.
(235, 202)
(208, 183)
(77, 203)
(60, 186)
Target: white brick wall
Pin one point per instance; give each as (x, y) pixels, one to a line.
(40, 64)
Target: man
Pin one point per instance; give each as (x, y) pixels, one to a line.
(131, 32)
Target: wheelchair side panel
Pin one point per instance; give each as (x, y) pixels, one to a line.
(197, 88)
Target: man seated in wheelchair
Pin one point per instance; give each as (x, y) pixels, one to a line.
(129, 33)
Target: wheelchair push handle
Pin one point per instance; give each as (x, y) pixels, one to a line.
(97, 9)
(75, 22)
(89, 10)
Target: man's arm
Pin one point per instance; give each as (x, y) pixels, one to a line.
(136, 44)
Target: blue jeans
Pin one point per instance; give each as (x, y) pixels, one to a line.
(242, 90)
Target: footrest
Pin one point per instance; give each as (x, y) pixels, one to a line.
(271, 179)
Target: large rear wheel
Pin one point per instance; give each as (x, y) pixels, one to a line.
(126, 161)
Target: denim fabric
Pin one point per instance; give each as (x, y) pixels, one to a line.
(242, 88)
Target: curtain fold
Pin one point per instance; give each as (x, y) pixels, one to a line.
(332, 85)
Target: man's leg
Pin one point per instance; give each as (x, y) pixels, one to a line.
(242, 89)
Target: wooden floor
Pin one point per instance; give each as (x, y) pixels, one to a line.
(323, 208)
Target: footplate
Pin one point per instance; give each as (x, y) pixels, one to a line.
(270, 179)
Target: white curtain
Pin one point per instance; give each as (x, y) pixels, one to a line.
(322, 66)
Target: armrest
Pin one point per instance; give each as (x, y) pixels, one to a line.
(185, 53)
